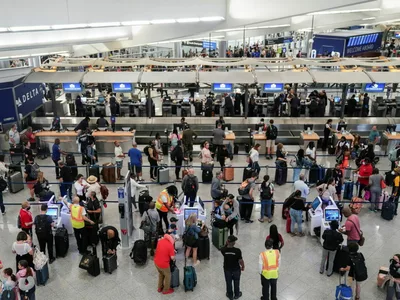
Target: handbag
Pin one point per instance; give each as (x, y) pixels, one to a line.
(361, 234)
(383, 184)
(87, 261)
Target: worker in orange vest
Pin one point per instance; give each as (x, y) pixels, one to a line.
(165, 203)
(269, 262)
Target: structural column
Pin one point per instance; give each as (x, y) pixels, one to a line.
(222, 46)
(178, 49)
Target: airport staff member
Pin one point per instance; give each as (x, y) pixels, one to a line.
(109, 239)
(78, 218)
(101, 122)
(268, 263)
(187, 139)
(14, 138)
(83, 125)
(165, 204)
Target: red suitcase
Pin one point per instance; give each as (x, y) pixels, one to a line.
(288, 223)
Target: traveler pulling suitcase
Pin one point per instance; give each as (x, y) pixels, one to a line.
(163, 174)
(42, 275)
(207, 176)
(61, 242)
(110, 263)
(219, 236)
(203, 251)
(174, 275)
(388, 209)
(189, 277)
(139, 252)
(15, 182)
(343, 291)
(229, 173)
(108, 173)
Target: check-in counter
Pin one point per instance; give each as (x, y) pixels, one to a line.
(349, 137)
(104, 140)
(260, 138)
(389, 140)
(307, 137)
(229, 138)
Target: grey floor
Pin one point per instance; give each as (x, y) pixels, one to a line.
(299, 272)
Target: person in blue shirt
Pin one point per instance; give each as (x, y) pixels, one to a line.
(373, 135)
(56, 155)
(135, 156)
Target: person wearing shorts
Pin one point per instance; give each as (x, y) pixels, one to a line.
(119, 159)
(135, 156)
(191, 239)
(271, 135)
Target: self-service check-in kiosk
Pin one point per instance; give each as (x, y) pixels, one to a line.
(185, 211)
(125, 211)
(330, 213)
(316, 213)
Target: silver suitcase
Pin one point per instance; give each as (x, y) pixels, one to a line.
(15, 182)
(163, 174)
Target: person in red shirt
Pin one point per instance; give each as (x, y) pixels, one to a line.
(25, 217)
(364, 172)
(31, 137)
(165, 252)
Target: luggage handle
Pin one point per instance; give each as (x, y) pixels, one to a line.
(345, 279)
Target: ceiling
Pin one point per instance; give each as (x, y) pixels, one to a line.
(86, 27)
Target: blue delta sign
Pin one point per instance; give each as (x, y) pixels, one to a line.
(222, 87)
(72, 87)
(374, 87)
(273, 87)
(122, 87)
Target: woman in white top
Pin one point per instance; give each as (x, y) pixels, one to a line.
(94, 186)
(310, 158)
(134, 187)
(327, 190)
(80, 185)
(23, 249)
(3, 168)
(207, 162)
(254, 156)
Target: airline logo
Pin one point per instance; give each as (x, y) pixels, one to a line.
(122, 87)
(72, 87)
(375, 87)
(222, 87)
(273, 87)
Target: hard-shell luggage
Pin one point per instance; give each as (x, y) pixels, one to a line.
(144, 200)
(347, 173)
(206, 176)
(203, 251)
(281, 175)
(317, 173)
(15, 182)
(219, 236)
(163, 174)
(94, 170)
(348, 190)
(229, 173)
(189, 278)
(343, 291)
(288, 223)
(388, 210)
(235, 149)
(110, 263)
(383, 198)
(247, 148)
(174, 276)
(108, 173)
(94, 268)
(247, 173)
(164, 148)
(331, 149)
(139, 252)
(42, 275)
(61, 242)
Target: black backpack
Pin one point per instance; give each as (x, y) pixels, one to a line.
(359, 268)
(146, 150)
(42, 225)
(8, 294)
(272, 132)
(245, 190)
(139, 252)
(190, 186)
(313, 107)
(266, 192)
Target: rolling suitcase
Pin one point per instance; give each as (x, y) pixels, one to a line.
(343, 291)
(163, 174)
(110, 263)
(235, 149)
(229, 173)
(288, 223)
(42, 275)
(108, 173)
(383, 198)
(203, 251)
(219, 236)
(174, 275)
(94, 268)
(144, 200)
(247, 173)
(139, 252)
(281, 175)
(388, 210)
(389, 178)
(93, 170)
(348, 190)
(164, 148)
(189, 277)
(61, 242)
(206, 176)
(15, 182)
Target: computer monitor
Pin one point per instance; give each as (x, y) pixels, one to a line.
(336, 100)
(185, 100)
(308, 127)
(357, 99)
(143, 100)
(101, 99)
(227, 126)
(331, 214)
(53, 212)
(341, 126)
(83, 100)
(189, 211)
(315, 203)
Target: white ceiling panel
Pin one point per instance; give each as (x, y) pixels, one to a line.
(54, 77)
(283, 77)
(111, 77)
(168, 77)
(226, 77)
(340, 77)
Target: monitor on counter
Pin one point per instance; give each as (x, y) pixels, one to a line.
(122, 87)
(222, 87)
(336, 100)
(308, 127)
(101, 99)
(83, 100)
(189, 211)
(143, 100)
(185, 100)
(272, 87)
(341, 126)
(357, 99)
(331, 214)
(53, 212)
(227, 126)
(374, 87)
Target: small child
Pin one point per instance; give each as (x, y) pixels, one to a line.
(227, 210)
(172, 229)
(217, 211)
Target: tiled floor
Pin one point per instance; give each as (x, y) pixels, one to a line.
(299, 276)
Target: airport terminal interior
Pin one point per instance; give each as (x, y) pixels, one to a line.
(323, 74)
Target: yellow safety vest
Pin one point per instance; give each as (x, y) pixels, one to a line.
(76, 217)
(160, 205)
(270, 264)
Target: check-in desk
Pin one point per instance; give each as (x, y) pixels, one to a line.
(104, 140)
(349, 137)
(229, 138)
(389, 140)
(307, 137)
(260, 138)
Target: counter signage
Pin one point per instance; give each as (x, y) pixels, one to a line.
(72, 87)
(374, 87)
(363, 43)
(28, 97)
(122, 87)
(273, 87)
(222, 87)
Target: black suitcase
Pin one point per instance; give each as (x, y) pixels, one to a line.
(331, 149)
(94, 170)
(144, 200)
(70, 160)
(281, 175)
(207, 176)
(203, 251)
(110, 263)
(94, 268)
(139, 252)
(389, 178)
(314, 174)
(164, 148)
(62, 242)
(247, 148)
(235, 149)
(247, 173)
(388, 210)
(15, 182)
(42, 275)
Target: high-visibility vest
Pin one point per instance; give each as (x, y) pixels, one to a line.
(160, 205)
(270, 264)
(76, 217)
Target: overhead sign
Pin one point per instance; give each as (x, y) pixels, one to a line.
(374, 87)
(222, 87)
(273, 87)
(363, 43)
(28, 97)
(279, 40)
(122, 87)
(397, 34)
(72, 87)
(7, 111)
(209, 45)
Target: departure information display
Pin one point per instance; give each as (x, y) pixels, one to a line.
(374, 87)
(222, 87)
(122, 87)
(272, 87)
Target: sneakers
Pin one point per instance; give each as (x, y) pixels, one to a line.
(159, 290)
(170, 291)
(249, 221)
(31, 199)
(196, 263)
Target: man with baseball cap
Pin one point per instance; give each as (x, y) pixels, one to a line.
(233, 266)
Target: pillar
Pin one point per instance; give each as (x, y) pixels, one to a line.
(222, 47)
(177, 50)
(4, 64)
(344, 97)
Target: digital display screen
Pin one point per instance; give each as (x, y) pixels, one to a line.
(397, 34)
(272, 87)
(336, 99)
(189, 211)
(122, 87)
(315, 203)
(362, 39)
(74, 87)
(374, 87)
(331, 215)
(222, 87)
(52, 211)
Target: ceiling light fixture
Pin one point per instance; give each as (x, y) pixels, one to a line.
(188, 20)
(330, 12)
(166, 21)
(230, 29)
(69, 26)
(3, 29)
(212, 19)
(267, 26)
(105, 24)
(29, 28)
(370, 18)
(134, 23)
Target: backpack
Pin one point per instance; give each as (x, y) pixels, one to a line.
(34, 171)
(272, 132)
(244, 190)
(190, 186)
(104, 192)
(392, 156)
(266, 192)
(359, 268)
(8, 294)
(173, 154)
(42, 226)
(313, 107)
(146, 150)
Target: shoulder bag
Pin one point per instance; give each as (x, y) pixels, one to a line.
(360, 233)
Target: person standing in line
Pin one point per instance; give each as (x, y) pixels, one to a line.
(328, 130)
(56, 155)
(276, 237)
(30, 175)
(351, 227)
(296, 204)
(272, 134)
(218, 138)
(188, 136)
(300, 185)
(26, 218)
(174, 137)
(233, 266)
(134, 187)
(3, 171)
(136, 161)
(80, 186)
(190, 186)
(266, 194)
(66, 179)
(192, 237)
(254, 158)
(27, 151)
(247, 208)
(14, 138)
(119, 159)
(43, 227)
(395, 190)
(178, 158)
(332, 239)
(375, 189)
(217, 190)
(165, 253)
(269, 262)
(153, 160)
(109, 239)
